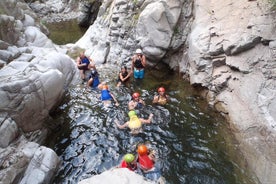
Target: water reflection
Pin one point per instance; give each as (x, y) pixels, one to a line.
(192, 145)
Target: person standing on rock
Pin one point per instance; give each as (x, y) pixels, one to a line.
(84, 63)
(138, 64)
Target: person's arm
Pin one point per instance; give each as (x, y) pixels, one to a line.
(116, 102)
(147, 121)
(90, 82)
(121, 76)
(124, 79)
(78, 61)
(131, 105)
(91, 64)
(121, 126)
(142, 101)
(144, 62)
(155, 99)
(132, 63)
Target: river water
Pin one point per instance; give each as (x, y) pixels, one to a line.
(193, 143)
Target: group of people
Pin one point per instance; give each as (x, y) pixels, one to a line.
(145, 159)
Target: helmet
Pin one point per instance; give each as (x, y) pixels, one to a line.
(129, 158)
(105, 86)
(135, 95)
(138, 51)
(142, 149)
(161, 89)
(94, 73)
(131, 113)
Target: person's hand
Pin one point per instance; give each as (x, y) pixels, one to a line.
(117, 104)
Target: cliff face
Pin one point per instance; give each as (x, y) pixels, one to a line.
(232, 54)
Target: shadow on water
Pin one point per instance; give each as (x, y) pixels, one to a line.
(192, 142)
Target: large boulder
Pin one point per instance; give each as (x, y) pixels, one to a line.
(116, 176)
(30, 90)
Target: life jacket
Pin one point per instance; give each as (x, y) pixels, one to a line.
(145, 162)
(138, 63)
(105, 95)
(85, 60)
(96, 82)
(134, 123)
(131, 167)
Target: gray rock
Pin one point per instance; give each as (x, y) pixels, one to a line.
(8, 131)
(42, 167)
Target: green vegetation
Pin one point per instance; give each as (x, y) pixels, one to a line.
(135, 2)
(273, 2)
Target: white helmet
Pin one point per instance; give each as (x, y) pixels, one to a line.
(138, 51)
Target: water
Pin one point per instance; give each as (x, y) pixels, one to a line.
(65, 31)
(193, 142)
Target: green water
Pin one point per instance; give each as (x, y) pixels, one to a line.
(65, 32)
(192, 142)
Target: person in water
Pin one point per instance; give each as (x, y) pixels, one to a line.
(146, 158)
(161, 98)
(84, 63)
(124, 75)
(134, 123)
(138, 64)
(93, 79)
(106, 95)
(129, 161)
(136, 102)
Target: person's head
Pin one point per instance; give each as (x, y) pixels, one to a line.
(135, 96)
(123, 69)
(129, 158)
(94, 73)
(142, 149)
(82, 55)
(161, 90)
(131, 113)
(105, 87)
(138, 52)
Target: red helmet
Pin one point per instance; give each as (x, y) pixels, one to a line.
(161, 89)
(142, 149)
(135, 95)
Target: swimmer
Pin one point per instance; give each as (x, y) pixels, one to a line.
(136, 102)
(135, 123)
(106, 95)
(129, 161)
(162, 98)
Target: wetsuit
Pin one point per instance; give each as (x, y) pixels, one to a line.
(105, 95)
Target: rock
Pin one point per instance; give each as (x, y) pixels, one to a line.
(8, 131)
(116, 176)
(42, 167)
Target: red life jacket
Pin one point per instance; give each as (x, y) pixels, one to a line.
(129, 166)
(145, 162)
